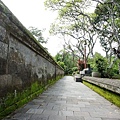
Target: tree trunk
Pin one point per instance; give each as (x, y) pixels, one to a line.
(119, 67)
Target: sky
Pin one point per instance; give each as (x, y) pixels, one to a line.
(33, 13)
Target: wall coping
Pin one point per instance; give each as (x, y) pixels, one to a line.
(24, 35)
(109, 84)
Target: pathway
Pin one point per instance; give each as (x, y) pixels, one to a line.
(68, 100)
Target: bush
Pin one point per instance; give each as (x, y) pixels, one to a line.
(74, 69)
(109, 73)
(101, 66)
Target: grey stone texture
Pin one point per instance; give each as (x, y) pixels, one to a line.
(109, 84)
(22, 59)
(52, 104)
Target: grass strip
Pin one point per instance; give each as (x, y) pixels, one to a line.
(11, 103)
(109, 95)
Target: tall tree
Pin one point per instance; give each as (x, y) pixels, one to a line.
(75, 24)
(107, 24)
(84, 27)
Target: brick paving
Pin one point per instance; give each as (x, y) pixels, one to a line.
(67, 100)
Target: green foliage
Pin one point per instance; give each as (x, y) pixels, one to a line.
(35, 87)
(63, 11)
(61, 64)
(101, 66)
(12, 102)
(66, 61)
(112, 72)
(74, 69)
(37, 34)
(112, 97)
(73, 22)
(107, 23)
(92, 61)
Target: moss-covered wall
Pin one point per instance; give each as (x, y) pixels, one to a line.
(22, 59)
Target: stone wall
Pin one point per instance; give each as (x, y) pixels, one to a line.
(22, 59)
(109, 84)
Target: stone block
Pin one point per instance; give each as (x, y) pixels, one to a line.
(5, 80)
(96, 74)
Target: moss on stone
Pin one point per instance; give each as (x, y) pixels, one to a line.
(12, 102)
(109, 95)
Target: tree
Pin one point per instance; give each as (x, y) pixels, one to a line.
(37, 34)
(65, 60)
(100, 63)
(107, 23)
(74, 24)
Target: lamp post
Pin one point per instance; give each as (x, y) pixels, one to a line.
(85, 63)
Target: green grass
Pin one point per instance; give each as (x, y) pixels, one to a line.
(10, 103)
(109, 95)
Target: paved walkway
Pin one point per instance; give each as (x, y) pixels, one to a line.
(68, 100)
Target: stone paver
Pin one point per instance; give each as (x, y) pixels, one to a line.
(67, 100)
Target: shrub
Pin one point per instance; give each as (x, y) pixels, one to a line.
(101, 66)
